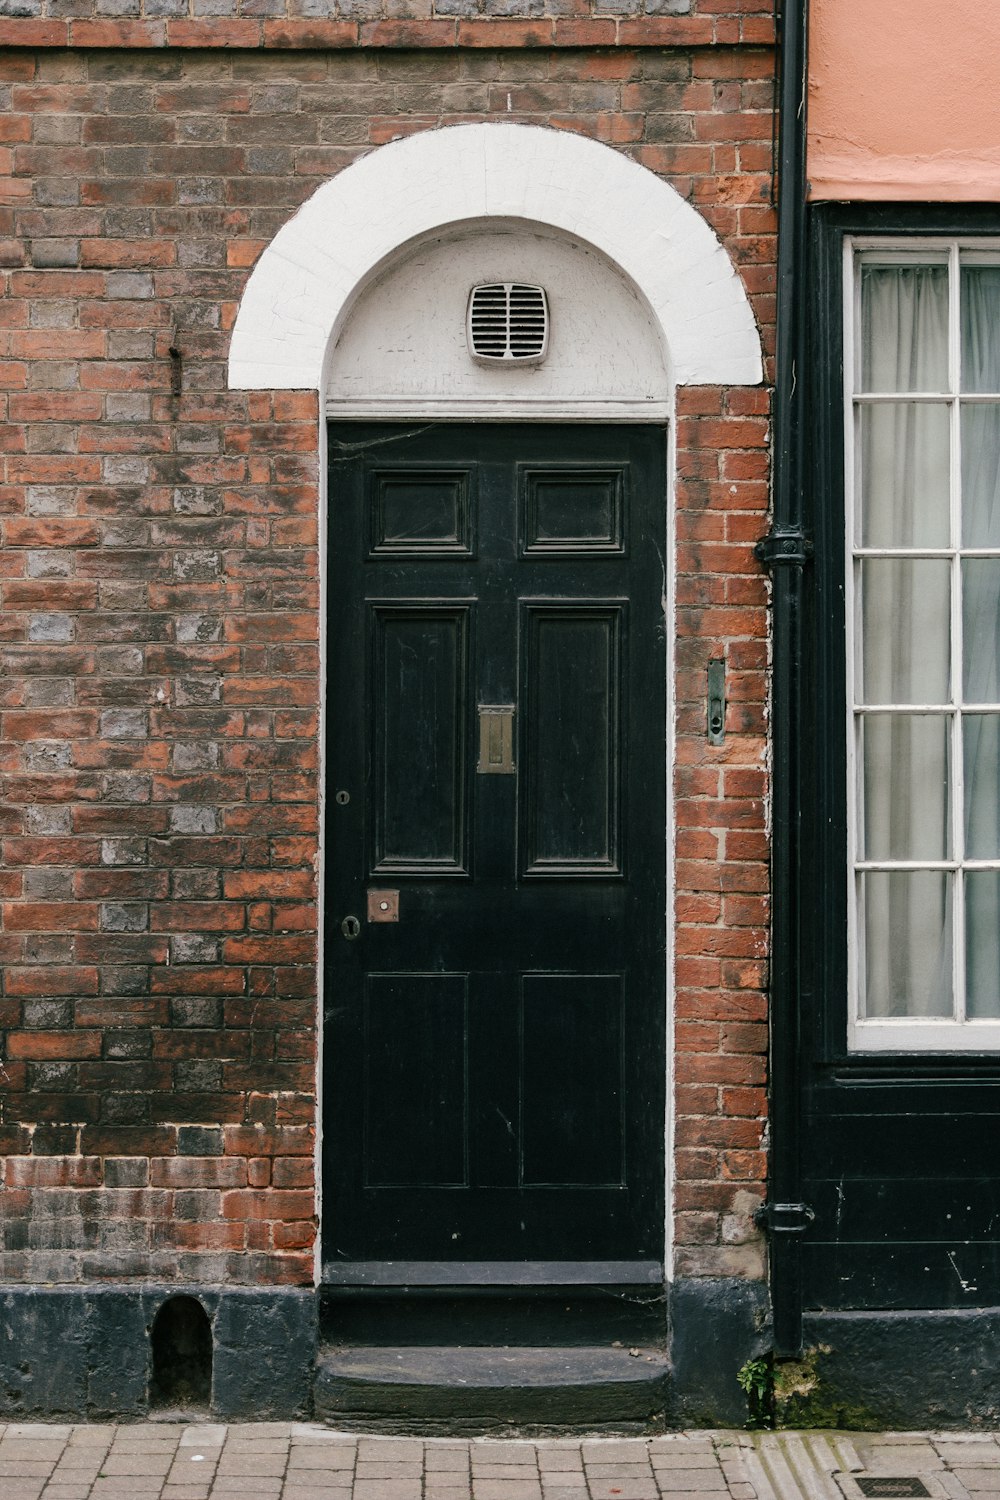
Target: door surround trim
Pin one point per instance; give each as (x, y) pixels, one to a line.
(306, 281)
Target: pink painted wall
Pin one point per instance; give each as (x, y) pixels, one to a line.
(904, 99)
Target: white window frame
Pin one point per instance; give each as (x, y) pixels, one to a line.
(911, 1033)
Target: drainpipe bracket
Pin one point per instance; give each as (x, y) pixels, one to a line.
(784, 1218)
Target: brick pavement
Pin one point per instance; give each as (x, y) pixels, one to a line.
(304, 1461)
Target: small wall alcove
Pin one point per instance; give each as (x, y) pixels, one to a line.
(181, 1339)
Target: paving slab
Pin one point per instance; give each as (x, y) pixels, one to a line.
(309, 1461)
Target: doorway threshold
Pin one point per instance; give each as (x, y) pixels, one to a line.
(489, 1273)
(557, 1316)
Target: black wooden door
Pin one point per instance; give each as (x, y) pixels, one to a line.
(495, 1055)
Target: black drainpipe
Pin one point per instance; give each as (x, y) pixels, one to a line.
(785, 551)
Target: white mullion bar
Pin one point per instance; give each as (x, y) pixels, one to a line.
(925, 398)
(915, 554)
(958, 761)
(855, 925)
(925, 708)
(981, 398)
(904, 708)
(920, 251)
(977, 252)
(901, 398)
(905, 866)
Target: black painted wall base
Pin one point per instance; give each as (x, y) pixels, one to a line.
(716, 1326)
(85, 1352)
(899, 1370)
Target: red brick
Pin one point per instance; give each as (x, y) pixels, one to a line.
(69, 343)
(279, 1203)
(402, 33)
(54, 1171)
(24, 33)
(54, 1044)
(117, 33)
(49, 916)
(319, 34)
(294, 1236)
(213, 33)
(198, 1172)
(250, 1140)
(127, 254)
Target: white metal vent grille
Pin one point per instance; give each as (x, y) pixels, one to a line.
(508, 323)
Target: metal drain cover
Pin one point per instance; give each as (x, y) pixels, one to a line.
(876, 1485)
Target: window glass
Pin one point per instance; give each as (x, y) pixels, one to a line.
(981, 629)
(904, 328)
(905, 634)
(981, 760)
(904, 765)
(980, 474)
(980, 322)
(982, 944)
(908, 954)
(924, 586)
(905, 474)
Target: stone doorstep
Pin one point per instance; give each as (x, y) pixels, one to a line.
(491, 1388)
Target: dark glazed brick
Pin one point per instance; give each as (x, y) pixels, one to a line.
(126, 1172)
(200, 1140)
(53, 1140)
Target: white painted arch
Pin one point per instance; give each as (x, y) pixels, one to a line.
(306, 282)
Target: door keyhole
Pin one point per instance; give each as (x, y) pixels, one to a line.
(350, 927)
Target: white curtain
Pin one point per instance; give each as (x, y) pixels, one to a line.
(980, 618)
(904, 615)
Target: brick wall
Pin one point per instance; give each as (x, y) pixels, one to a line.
(722, 849)
(159, 637)
(378, 23)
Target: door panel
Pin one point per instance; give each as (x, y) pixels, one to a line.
(429, 1090)
(572, 683)
(494, 1057)
(420, 512)
(573, 510)
(419, 694)
(571, 1080)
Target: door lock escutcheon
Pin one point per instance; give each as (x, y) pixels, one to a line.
(496, 739)
(351, 928)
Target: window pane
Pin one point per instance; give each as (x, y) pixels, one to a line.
(982, 937)
(905, 794)
(981, 629)
(981, 754)
(980, 320)
(905, 475)
(905, 634)
(904, 328)
(907, 943)
(980, 476)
